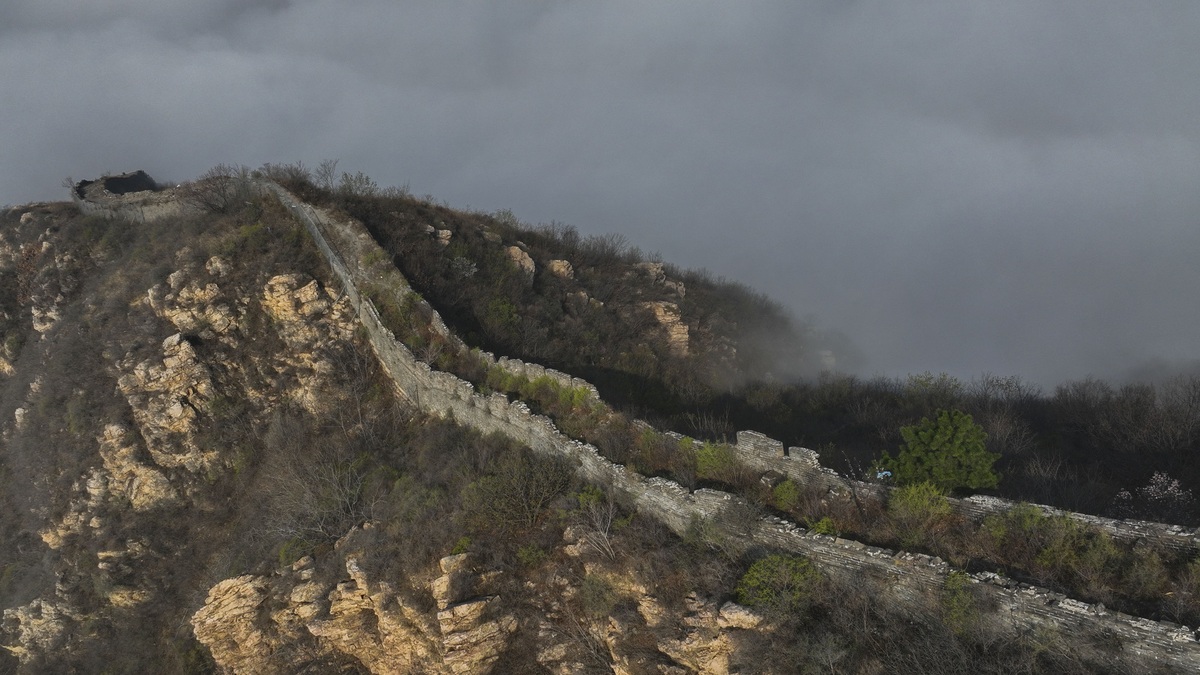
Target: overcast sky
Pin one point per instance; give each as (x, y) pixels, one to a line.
(996, 186)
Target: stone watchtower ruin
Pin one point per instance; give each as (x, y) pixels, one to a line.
(134, 195)
(99, 189)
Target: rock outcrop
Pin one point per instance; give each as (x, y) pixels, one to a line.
(708, 642)
(522, 260)
(330, 610)
(166, 397)
(561, 269)
(40, 627)
(309, 319)
(670, 320)
(144, 486)
(657, 273)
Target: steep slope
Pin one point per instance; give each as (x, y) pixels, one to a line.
(145, 355)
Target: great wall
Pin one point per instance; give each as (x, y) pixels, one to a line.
(1017, 607)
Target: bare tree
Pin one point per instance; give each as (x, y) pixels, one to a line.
(316, 489)
(1007, 433)
(222, 189)
(357, 184)
(326, 174)
(1178, 420)
(600, 517)
(285, 173)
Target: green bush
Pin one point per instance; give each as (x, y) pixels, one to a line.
(501, 380)
(502, 316)
(572, 398)
(780, 584)
(786, 495)
(1061, 551)
(959, 612)
(292, 550)
(715, 461)
(531, 555)
(949, 452)
(1146, 578)
(824, 526)
(918, 513)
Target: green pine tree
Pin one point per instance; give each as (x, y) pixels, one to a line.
(949, 452)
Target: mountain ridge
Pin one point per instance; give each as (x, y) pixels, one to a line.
(192, 308)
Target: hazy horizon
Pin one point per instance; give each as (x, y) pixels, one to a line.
(1006, 188)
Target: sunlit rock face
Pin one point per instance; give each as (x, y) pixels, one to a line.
(331, 609)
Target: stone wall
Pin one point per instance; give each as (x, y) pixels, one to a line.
(804, 466)
(908, 575)
(533, 371)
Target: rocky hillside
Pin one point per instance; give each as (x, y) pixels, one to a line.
(209, 463)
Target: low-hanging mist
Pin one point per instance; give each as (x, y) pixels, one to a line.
(962, 189)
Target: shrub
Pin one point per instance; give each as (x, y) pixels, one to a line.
(222, 189)
(779, 584)
(715, 461)
(572, 398)
(292, 550)
(597, 596)
(1146, 577)
(786, 495)
(1183, 602)
(949, 452)
(1161, 499)
(1064, 552)
(357, 184)
(824, 526)
(316, 490)
(959, 612)
(918, 512)
(600, 517)
(517, 492)
(531, 555)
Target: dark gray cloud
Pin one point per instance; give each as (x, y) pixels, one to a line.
(1005, 187)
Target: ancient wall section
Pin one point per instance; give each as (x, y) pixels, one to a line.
(533, 371)
(804, 466)
(907, 575)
